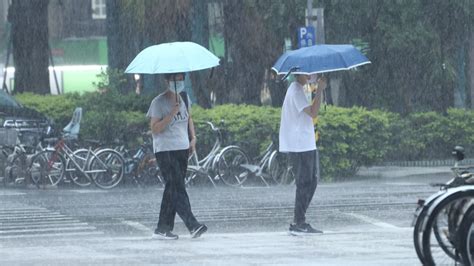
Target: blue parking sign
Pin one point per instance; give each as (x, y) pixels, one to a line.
(306, 36)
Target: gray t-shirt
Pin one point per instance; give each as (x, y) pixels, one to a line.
(175, 135)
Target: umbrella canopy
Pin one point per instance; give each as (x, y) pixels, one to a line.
(174, 57)
(320, 58)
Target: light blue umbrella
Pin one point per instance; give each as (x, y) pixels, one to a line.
(174, 57)
(320, 58)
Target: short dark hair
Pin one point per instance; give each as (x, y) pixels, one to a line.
(170, 76)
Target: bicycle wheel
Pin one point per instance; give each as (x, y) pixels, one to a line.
(72, 171)
(147, 172)
(278, 168)
(418, 226)
(466, 237)
(418, 234)
(47, 168)
(107, 168)
(16, 171)
(439, 236)
(229, 166)
(191, 175)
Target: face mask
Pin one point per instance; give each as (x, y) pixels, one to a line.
(179, 86)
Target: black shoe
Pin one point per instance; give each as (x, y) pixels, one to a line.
(164, 235)
(198, 231)
(303, 229)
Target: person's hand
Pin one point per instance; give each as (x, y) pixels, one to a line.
(175, 110)
(322, 83)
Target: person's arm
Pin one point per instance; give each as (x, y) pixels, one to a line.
(157, 125)
(313, 109)
(192, 134)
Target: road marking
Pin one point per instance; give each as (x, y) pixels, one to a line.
(137, 225)
(86, 191)
(372, 221)
(408, 184)
(65, 234)
(10, 193)
(44, 225)
(40, 230)
(29, 221)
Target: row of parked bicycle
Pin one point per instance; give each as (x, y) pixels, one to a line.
(444, 222)
(52, 161)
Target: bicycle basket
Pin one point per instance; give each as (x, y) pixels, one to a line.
(8, 136)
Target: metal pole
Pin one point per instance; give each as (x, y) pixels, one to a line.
(9, 48)
(320, 36)
(309, 15)
(54, 71)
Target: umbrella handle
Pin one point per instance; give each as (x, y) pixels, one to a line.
(212, 73)
(293, 69)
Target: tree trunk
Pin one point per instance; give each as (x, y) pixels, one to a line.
(200, 35)
(244, 74)
(30, 41)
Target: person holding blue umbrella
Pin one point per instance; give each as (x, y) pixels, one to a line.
(173, 137)
(298, 140)
(296, 128)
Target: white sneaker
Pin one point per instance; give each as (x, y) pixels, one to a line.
(164, 236)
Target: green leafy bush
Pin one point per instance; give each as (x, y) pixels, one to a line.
(349, 137)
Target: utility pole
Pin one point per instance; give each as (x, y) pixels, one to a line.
(315, 18)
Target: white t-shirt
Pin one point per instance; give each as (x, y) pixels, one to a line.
(296, 126)
(175, 135)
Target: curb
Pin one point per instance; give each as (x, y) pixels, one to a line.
(430, 163)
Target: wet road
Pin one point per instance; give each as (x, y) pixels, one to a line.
(366, 221)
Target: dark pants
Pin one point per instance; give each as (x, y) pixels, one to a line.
(173, 166)
(306, 171)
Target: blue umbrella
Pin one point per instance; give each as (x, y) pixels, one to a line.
(174, 57)
(320, 58)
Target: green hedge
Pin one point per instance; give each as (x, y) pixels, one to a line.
(349, 137)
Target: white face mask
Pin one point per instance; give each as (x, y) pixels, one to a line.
(179, 87)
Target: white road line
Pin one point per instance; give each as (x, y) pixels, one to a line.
(68, 228)
(44, 225)
(65, 234)
(85, 191)
(372, 221)
(27, 217)
(137, 225)
(11, 193)
(36, 220)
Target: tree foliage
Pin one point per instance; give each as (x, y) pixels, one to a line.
(414, 47)
(417, 47)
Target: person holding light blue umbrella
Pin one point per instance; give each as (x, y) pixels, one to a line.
(172, 127)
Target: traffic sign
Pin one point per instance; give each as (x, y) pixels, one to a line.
(306, 36)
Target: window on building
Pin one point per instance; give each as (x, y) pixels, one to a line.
(98, 9)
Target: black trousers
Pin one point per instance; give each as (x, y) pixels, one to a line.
(306, 171)
(173, 166)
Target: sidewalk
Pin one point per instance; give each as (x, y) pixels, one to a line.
(363, 247)
(402, 171)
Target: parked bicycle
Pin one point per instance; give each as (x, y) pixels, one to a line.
(271, 167)
(28, 144)
(466, 237)
(141, 165)
(104, 167)
(206, 167)
(437, 219)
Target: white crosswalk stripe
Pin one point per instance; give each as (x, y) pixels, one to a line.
(22, 221)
